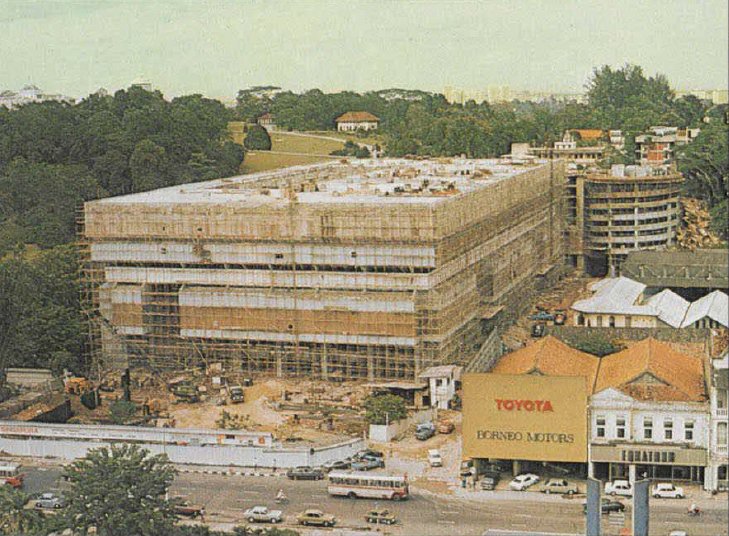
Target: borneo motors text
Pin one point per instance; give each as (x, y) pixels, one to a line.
(536, 437)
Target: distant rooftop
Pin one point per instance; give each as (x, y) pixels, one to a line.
(390, 181)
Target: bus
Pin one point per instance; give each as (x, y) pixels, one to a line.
(367, 485)
(10, 474)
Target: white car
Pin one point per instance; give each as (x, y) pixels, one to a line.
(261, 514)
(434, 458)
(522, 482)
(619, 487)
(667, 491)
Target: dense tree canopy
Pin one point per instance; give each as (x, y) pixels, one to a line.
(121, 491)
(257, 139)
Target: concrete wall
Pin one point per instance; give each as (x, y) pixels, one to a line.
(234, 455)
(571, 333)
(384, 433)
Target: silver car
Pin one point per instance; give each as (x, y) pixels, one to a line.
(49, 500)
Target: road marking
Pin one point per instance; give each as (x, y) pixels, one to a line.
(252, 492)
(522, 515)
(445, 522)
(450, 512)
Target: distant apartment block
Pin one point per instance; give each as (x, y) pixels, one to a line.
(30, 93)
(658, 145)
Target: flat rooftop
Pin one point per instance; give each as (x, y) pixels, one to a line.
(396, 181)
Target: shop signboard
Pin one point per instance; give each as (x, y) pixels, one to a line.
(525, 417)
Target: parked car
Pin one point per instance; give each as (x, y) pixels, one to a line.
(261, 514)
(434, 458)
(559, 485)
(369, 452)
(543, 316)
(305, 473)
(619, 487)
(184, 508)
(380, 515)
(236, 394)
(490, 479)
(316, 517)
(338, 465)
(667, 491)
(446, 427)
(49, 500)
(367, 464)
(537, 330)
(466, 468)
(607, 506)
(522, 482)
(424, 431)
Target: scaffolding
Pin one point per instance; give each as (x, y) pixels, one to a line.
(337, 271)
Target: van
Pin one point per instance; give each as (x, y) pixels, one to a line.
(10, 474)
(489, 480)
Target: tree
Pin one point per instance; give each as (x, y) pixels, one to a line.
(120, 411)
(148, 164)
(121, 491)
(14, 517)
(596, 344)
(704, 163)
(257, 139)
(382, 409)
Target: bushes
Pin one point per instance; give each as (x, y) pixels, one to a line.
(257, 139)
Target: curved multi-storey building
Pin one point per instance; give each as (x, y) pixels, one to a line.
(626, 209)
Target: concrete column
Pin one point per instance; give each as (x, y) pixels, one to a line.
(590, 469)
(631, 474)
(279, 366)
(516, 467)
(325, 362)
(370, 365)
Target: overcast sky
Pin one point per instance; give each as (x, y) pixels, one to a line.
(217, 47)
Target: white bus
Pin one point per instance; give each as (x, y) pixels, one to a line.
(368, 485)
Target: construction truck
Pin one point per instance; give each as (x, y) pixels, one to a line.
(185, 393)
(77, 386)
(236, 394)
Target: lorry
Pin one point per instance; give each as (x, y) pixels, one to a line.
(236, 394)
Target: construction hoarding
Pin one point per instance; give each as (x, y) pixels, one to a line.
(525, 417)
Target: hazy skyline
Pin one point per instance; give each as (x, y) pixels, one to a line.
(217, 48)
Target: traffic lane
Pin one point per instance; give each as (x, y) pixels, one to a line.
(41, 479)
(421, 513)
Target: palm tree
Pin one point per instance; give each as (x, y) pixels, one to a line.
(14, 517)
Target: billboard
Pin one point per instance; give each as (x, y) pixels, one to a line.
(525, 417)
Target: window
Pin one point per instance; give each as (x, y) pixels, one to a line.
(721, 434)
(620, 427)
(668, 429)
(611, 321)
(600, 426)
(688, 430)
(647, 428)
(580, 319)
(628, 322)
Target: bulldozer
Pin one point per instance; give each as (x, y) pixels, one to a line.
(77, 386)
(185, 393)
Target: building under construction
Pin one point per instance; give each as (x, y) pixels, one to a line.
(354, 269)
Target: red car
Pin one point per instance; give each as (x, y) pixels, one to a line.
(184, 508)
(446, 427)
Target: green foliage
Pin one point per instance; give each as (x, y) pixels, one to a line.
(14, 517)
(120, 411)
(229, 421)
(705, 165)
(381, 409)
(595, 344)
(257, 139)
(719, 218)
(121, 491)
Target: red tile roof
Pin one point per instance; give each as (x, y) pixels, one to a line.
(356, 117)
(550, 357)
(671, 374)
(588, 133)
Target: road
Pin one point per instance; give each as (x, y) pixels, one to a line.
(227, 497)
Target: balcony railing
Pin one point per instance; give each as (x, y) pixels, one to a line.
(722, 412)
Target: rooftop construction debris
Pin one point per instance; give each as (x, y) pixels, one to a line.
(363, 269)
